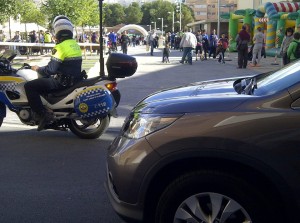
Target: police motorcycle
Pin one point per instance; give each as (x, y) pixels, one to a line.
(85, 108)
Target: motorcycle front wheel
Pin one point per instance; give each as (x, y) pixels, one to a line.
(89, 129)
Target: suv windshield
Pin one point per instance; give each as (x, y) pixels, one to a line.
(279, 80)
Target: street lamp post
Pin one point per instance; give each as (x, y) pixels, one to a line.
(154, 25)
(172, 20)
(218, 28)
(162, 26)
(101, 60)
(179, 5)
(149, 27)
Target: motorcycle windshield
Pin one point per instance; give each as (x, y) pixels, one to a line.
(8, 54)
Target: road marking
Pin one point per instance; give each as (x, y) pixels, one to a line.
(16, 125)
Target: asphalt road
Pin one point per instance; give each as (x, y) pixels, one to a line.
(53, 176)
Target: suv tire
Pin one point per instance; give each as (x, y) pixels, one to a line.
(192, 195)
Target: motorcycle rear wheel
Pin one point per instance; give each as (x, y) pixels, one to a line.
(91, 129)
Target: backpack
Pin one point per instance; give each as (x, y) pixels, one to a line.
(297, 51)
(225, 44)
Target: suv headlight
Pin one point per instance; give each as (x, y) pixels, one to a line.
(139, 125)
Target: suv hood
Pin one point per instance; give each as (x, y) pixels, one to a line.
(217, 95)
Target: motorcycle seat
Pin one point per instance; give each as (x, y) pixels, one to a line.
(57, 95)
(82, 83)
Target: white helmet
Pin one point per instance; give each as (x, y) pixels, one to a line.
(62, 26)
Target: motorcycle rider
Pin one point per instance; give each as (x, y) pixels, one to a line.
(63, 69)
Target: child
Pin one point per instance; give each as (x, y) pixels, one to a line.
(221, 48)
(166, 53)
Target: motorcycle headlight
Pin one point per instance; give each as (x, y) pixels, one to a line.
(140, 125)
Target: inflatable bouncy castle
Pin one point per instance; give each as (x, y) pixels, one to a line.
(280, 16)
(274, 18)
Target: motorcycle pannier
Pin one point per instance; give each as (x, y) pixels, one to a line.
(120, 65)
(93, 102)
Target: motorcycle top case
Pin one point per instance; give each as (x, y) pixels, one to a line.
(121, 65)
(93, 102)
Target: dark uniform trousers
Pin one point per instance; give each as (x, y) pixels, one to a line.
(40, 86)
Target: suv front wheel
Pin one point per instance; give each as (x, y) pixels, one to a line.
(212, 197)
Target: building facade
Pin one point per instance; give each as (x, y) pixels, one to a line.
(208, 9)
(206, 12)
(254, 4)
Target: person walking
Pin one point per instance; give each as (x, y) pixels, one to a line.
(287, 39)
(293, 52)
(33, 37)
(166, 53)
(242, 40)
(2, 36)
(124, 42)
(205, 43)
(151, 41)
(199, 44)
(133, 40)
(113, 40)
(172, 39)
(41, 36)
(258, 40)
(188, 43)
(213, 40)
(17, 38)
(47, 40)
(221, 48)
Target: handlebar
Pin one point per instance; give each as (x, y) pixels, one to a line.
(26, 66)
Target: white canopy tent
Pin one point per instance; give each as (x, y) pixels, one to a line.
(21, 27)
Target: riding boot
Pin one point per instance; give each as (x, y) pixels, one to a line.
(46, 118)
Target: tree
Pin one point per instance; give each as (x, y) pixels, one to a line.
(53, 8)
(80, 12)
(148, 13)
(133, 13)
(7, 9)
(157, 9)
(88, 13)
(114, 14)
(30, 13)
(187, 15)
(164, 9)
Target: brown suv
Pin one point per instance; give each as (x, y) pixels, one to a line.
(216, 151)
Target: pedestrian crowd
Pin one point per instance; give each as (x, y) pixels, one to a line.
(111, 40)
(32, 37)
(200, 43)
(290, 47)
(203, 46)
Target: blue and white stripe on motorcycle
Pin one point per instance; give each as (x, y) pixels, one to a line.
(9, 83)
(5, 101)
(100, 113)
(2, 110)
